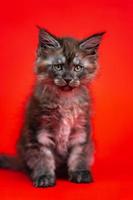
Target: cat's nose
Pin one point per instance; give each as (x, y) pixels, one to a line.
(67, 79)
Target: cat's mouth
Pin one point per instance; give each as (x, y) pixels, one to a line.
(67, 88)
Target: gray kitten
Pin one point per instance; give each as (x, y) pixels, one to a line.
(56, 134)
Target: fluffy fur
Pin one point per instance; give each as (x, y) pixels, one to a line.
(56, 133)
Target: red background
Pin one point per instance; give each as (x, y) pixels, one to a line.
(112, 90)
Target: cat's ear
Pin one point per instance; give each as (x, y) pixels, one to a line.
(47, 40)
(91, 43)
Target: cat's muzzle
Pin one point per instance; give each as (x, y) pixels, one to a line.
(67, 84)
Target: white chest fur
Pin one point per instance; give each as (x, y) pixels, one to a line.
(72, 116)
(70, 112)
(62, 135)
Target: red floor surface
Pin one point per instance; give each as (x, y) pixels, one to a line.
(106, 187)
(112, 91)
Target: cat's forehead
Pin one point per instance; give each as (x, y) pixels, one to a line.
(70, 48)
(55, 59)
(69, 53)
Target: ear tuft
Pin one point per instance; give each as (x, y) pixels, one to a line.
(91, 42)
(47, 40)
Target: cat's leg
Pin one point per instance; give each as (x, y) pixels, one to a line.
(41, 164)
(80, 159)
(38, 155)
(78, 165)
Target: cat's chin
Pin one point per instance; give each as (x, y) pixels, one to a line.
(67, 88)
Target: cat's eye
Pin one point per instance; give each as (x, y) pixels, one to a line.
(58, 67)
(78, 68)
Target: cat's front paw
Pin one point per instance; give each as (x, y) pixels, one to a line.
(45, 181)
(80, 176)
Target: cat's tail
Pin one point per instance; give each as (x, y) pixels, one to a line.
(10, 162)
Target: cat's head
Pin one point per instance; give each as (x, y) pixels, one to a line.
(66, 62)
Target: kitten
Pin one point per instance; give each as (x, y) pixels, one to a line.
(56, 133)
